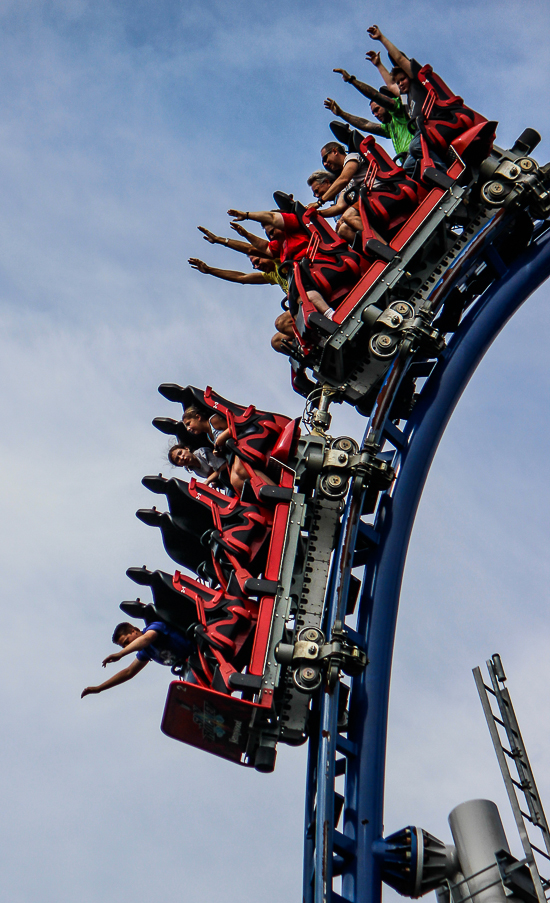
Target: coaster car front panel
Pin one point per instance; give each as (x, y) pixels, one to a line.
(208, 720)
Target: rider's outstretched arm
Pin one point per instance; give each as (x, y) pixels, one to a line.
(335, 209)
(121, 677)
(374, 58)
(396, 55)
(265, 217)
(364, 125)
(345, 176)
(255, 240)
(228, 275)
(387, 102)
(235, 245)
(140, 642)
(358, 122)
(367, 90)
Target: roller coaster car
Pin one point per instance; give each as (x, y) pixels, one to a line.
(267, 563)
(478, 216)
(253, 432)
(200, 517)
(207, 719)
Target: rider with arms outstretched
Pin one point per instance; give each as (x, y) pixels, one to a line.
(158, 643)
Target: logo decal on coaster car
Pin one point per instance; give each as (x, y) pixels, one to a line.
(209, 720)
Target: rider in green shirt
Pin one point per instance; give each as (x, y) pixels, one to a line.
(388, 109)
(397, 126)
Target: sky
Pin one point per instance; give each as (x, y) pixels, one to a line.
(123, 126)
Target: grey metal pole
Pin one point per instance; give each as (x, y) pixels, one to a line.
(478, 834)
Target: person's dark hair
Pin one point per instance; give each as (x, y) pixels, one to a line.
(122, 629)
(334, 146)
(174, 448)
(396, 70)
(262, 261)
(193, 410)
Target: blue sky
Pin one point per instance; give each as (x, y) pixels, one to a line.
(123, 126)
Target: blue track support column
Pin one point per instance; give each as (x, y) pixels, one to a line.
(309, 821)
(363, 819)
(325, 746)
(324, 833)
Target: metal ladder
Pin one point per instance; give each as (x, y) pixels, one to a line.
(509, 747)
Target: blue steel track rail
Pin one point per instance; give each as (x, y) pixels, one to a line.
(360, 756)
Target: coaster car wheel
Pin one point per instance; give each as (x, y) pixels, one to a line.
(383, 346)
(527, 164)
(311, 635)
(403, 308)
(345, 444)
(333, 675)
(495, 192)
(334, 485)
(308, 678)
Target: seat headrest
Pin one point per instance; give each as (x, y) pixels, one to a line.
(137, 609)
(285, 202)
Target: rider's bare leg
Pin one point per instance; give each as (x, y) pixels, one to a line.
(239, 474)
